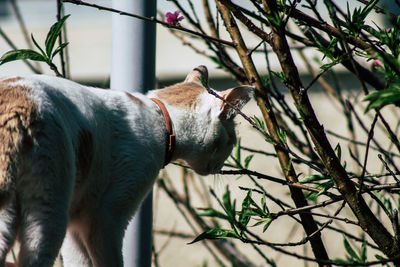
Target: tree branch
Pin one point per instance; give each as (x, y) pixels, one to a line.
(151, 19)
(308, 223)
(367, 219)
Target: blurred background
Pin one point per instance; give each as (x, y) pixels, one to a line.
(89, 35)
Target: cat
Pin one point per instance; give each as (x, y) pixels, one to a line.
(76, 161)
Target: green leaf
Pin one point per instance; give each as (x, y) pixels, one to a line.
(313, 178)
(209, 212)
(269, 140)
(282, 135)
(229, 164)
(350, 250)
(259, 122)
(237, 152)
(38, 46)
(245, 216)
(332, 44)
(280, 76)
(325, 51)
(289, 165)
(53, 34)
(338, 151)
(259, 221)
(265, 81)
(379, 99)
(368, 8)
(264, 204)
(226, 204)
(247, 161)
(256, 210)
(386, 202)
(325, 187)
(363, 252)
(312, 197)
(58, 49)
(204, 82)
(226, 200)
(247, 200)
(323, 183)
(380, 258)
(330, 65)
(21, 54)
(215, 234)
(268, 222)
(301, 113)
(275, 19)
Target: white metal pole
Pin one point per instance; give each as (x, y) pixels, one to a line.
(133, 69)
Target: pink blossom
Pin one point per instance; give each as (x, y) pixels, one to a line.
(377, 63)
(173, 18)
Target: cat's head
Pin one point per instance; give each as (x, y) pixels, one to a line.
(206, 122)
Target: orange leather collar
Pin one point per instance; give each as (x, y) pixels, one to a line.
(170, 140)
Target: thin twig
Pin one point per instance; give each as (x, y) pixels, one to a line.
(175, 234)
(392, 135)
(381, 150)
(21, 23)
(370, 136)
(60, 12)
(388, 169)
(24, 30)
(151, 19)
(278, 180)
(252, 123)
(360, 143)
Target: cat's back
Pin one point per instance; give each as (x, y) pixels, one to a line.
(54, 110)
(44, 90)
(59, 96)
(67, 108)
(65, 121)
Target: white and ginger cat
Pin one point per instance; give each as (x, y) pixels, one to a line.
(75, 161)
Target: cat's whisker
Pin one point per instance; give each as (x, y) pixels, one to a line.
(219, 183)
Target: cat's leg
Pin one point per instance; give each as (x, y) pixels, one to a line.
(109, 221)
(73, 251)
(43, 201)
(42, 230)
(104, 240)
(44, 192)
(8, 226)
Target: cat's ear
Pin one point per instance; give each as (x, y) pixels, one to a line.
(237, 97)
(198, 75)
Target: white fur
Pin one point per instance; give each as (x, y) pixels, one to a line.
(53, 199)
